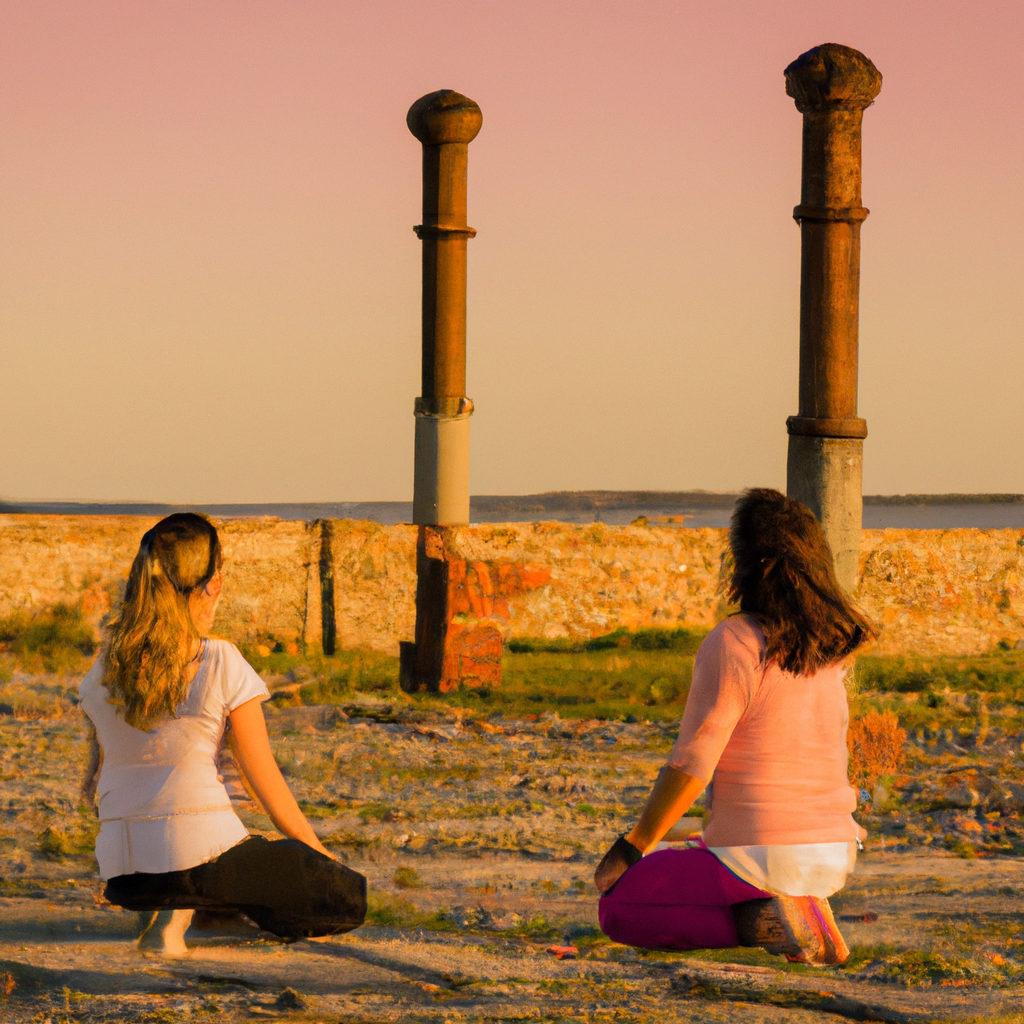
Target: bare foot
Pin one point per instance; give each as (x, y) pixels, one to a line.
(166, 933)
(800, 927)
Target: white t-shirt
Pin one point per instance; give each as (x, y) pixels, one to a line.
(162, 806)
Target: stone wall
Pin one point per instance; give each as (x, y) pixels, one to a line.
(49, 559)
(374, 584)
(931, 591)
(943, 591)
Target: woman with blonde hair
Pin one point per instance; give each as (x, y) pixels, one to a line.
(764, 732)
(160, 697)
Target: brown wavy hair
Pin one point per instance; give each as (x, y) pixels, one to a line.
(783, 576)
(150, 644)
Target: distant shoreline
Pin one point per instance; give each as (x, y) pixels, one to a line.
(486, 506)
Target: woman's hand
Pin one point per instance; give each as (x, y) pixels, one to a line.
(251, 745)
(615, 863)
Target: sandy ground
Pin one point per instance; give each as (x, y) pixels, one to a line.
(479, 840)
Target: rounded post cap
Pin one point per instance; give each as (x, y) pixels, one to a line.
(444, 116)
(832, 77)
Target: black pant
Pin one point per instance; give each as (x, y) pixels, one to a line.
(285, 887)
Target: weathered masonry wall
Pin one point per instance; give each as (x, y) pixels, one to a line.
(931, 591)
(48, 559)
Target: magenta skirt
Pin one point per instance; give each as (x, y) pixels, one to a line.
(675, 899)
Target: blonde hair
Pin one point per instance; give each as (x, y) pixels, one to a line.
(150, 643)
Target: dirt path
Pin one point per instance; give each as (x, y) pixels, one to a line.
(71, 959)
(479, 841)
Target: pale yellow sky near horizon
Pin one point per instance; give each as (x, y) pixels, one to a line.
(209, 283)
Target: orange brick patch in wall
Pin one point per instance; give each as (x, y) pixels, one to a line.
(477, 610)
(481, 590)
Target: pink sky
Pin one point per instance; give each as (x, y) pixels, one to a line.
(209, 285)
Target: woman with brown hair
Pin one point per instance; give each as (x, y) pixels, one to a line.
(160, 697)
(764, 731)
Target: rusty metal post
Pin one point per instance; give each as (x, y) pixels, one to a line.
(445, 123)
(832, 86)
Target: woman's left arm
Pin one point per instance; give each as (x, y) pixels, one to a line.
(256, 760)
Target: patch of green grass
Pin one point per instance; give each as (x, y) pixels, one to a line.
(631, 676)
(585, 937)
(1001, 673)
(961, 694)
(962, 848)
(374, 810)
(407, 878)
(559, 986)
(55, 842)
(54, 639)
(683, 641)
(20, 888)
(647, 678)
(331, 680)
(321, 810)
(600, 684)
(391, 911)
(622, 684)
(58, 843)
(752, 956)
(914, 967)
(352, 840)
(536, 928)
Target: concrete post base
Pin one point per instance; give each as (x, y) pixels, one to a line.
(825, 474)
(440, 494)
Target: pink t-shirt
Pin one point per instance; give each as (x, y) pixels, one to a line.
(774, 742)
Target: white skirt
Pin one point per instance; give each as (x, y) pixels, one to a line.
(801, 869)
(169, 843)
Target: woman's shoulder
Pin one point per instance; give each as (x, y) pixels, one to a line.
(226, 660)
(93, 680)
(235, 675)
(223, 650)
(738, 635)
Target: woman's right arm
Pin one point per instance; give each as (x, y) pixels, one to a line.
(719, 694)
(672, 796)
(256, 760)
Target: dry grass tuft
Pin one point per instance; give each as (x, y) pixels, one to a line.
(876, 743)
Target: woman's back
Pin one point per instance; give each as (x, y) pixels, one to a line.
(775, 743)
(161, 803)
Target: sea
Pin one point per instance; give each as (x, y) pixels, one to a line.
(878, 513)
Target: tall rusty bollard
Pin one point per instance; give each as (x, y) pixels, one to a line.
(445, 122)
(832, 86)
(445, 653)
